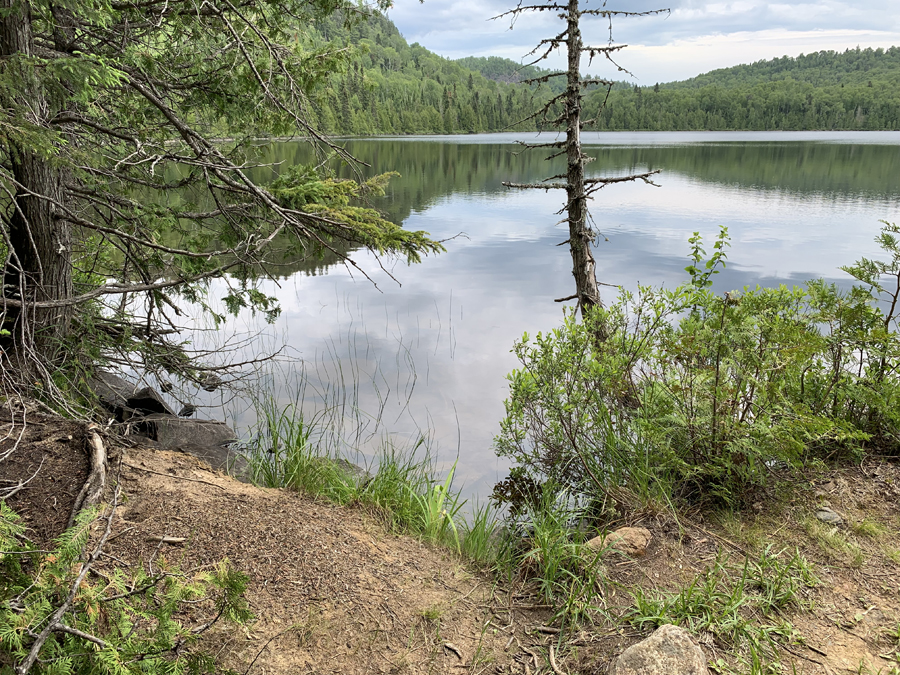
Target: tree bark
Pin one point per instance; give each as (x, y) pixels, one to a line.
(580, 235)
(40, 241)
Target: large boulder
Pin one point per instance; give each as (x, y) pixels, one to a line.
(125, 399)
(632, 541)
(205, 439)
(111, 390)
(669, 651)
(177, 432)
(148, 401)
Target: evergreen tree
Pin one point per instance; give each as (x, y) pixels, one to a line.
(107, 108)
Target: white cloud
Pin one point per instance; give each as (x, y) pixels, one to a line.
(697, 36)
(685, 58)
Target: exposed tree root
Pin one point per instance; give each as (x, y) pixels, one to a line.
(93, 487)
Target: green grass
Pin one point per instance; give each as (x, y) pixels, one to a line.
(542, 549)
(868, 528)
(401, 486)
(834, 543)
(481, 535)
(725, 601)
(552, 554)
(432, 613)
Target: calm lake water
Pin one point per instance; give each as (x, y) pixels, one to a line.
(429, 352)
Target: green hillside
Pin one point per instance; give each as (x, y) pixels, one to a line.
(821, 69)
(506, 70)
(856, 89)
(391, 87)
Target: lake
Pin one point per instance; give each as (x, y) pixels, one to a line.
(424, 350)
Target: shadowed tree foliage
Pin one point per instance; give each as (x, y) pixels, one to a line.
(108, 108)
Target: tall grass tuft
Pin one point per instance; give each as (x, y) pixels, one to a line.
(551, 552)
(401, 485)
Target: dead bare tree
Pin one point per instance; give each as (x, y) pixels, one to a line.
(578, 188)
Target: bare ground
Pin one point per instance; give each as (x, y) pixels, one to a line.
(334, 592)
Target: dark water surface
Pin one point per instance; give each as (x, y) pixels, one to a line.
(430, 354)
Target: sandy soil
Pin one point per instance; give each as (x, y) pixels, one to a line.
(334, 592)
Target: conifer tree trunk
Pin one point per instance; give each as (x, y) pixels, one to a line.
(40, 242)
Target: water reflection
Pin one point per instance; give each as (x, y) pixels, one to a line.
(432, 353)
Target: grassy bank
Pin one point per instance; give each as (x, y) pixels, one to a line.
(755, 587)
(706, 419)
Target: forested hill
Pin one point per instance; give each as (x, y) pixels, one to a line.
(856, 89)
(820, 69)
(506, 70)
(392, 87)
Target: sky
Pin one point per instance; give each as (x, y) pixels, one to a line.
(696, 36)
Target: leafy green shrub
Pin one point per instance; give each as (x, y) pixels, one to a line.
(704, 395)
(119, 623)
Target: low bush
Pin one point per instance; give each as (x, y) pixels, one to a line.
(701, 395)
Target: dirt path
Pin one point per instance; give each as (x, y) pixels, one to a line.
(334, 592)
(331, 590)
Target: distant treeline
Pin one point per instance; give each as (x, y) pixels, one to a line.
(392, 87)
(856, 89)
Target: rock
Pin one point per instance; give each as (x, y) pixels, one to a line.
(124, 399)
(209, 382)
(669, 651)
(827, 515)
(357, 473)
(220, 458)
(173, 432)
(205, 439)
(149, 401)
(632, 541)
(112, 390)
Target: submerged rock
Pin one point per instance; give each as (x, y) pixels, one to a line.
(669, 651)
(209, 382)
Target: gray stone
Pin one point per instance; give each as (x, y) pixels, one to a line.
(125, 399)
(173, 432)
(149, 401)
(827, 515)
(357, 473)
(209, 382)
(220, 458)
(669, 651)
(112, 390)
(205, 439)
